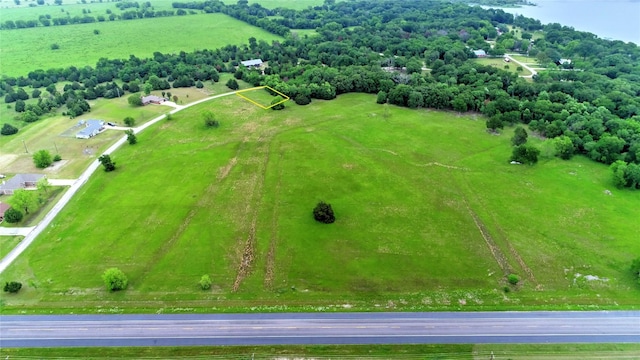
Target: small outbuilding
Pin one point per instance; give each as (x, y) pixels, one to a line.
(20, 181)
(152, 99)
(92, 128)
(254, 63)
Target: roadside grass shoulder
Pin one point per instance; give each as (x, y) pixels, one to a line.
(7, 243)
(427, 351)
(411, 189)
(25, 50)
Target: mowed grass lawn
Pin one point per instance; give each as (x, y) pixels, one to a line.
(500, 63)
(56, 134)
(26, 50)
(411, 192)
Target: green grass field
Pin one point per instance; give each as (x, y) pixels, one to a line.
(458, 352)
(500, 64)
(26, 50)
(57, 135)
(430, 216)
(68, 8)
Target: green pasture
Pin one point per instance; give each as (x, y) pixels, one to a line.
(57, 135)
(25, 50)
(530, 61)
(7, 243)
(68, 8)
(430, 216)
(259, 97)
(428, 351)
(500, 64)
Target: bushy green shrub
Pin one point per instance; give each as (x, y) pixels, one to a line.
(324, 213)
(115, 279)
(8, 129)
(12, 287)
(205, 282)
(13, 216)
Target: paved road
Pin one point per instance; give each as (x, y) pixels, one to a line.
(75, 186)
(320, 328)
(20, 231)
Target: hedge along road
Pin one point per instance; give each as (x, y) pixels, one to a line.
(31, 236)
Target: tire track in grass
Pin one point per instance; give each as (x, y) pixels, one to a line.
(271, 254)
(512, 250)
(498, 255)
(253, 206)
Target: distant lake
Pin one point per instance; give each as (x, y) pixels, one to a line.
(609, 19)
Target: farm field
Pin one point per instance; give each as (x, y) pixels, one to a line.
(500, 64)
(430, 216)
(26, 50)
(74, 8)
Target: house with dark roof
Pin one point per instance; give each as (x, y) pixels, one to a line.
(92, 128)
(20, 181)
(254, 63)
(3, 209)
(152, 99)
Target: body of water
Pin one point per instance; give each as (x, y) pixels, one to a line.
(609, 19)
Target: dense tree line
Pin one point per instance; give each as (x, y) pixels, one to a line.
(590, 106)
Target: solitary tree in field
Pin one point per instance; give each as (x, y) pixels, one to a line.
(519, 136)
(115, 279)
(129, 121)
(109, 165)
(525, 154)
(205, 282)
(209, 119)
(233, 84)
(494, 123)
(42, 159)
(12, 287)
(131, 137)
(324, 213)
(8, 129)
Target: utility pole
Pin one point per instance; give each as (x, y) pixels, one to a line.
(56, 146)
(25, 147)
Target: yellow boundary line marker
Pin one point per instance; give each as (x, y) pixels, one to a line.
(239, 93)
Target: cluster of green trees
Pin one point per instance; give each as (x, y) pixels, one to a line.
(382, 47)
